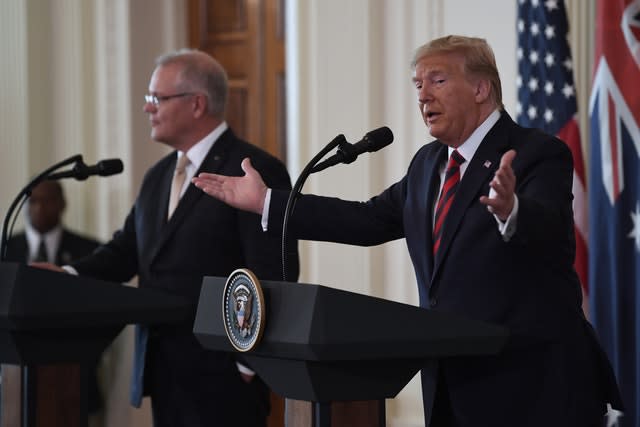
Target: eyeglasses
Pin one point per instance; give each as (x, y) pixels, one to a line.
(156, 100)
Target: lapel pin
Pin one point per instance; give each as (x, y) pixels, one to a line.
(487, 164)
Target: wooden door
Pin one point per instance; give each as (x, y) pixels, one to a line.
(247, 38)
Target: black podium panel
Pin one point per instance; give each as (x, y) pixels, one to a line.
(335, 380)
(325, 344)
(50, 317)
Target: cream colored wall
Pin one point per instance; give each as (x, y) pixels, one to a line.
(74, 72)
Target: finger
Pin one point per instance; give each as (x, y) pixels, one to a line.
(208, 176)
(208, 179)
(251, 173)
(491, 204)
(246, 166)
(507, 158)
(47, 266)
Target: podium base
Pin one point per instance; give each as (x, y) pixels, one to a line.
(44, 396)
(361, 413)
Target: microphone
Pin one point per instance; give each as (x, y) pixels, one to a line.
(347, 153)
(81, 171)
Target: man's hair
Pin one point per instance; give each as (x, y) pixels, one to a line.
(479, 59)
(200, 73)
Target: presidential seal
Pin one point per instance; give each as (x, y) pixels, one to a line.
(243, 310)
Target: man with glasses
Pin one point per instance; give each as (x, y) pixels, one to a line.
(174, 235)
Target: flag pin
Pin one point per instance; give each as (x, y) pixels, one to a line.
(487, 163)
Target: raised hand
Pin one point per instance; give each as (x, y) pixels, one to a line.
(502, 195)
(242, 192)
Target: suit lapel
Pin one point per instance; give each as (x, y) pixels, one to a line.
(62, 254)
(480, 171)
(211, 163)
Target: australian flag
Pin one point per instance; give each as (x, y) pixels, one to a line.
(547, 98)
(614, 206)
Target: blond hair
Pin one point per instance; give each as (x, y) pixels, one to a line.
(479, 59)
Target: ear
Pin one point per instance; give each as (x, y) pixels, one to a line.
(199, 105)
(483, 90)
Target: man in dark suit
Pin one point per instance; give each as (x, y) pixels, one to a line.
(46, 239)
(501, 250)
(172, 249)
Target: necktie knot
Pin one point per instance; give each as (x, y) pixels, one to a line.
(181, 164)
(456, 159)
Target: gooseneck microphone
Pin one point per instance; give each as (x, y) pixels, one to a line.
(346, 153)
(79, 171)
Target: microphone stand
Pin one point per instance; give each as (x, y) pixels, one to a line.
(23, 195)
(27, 397)
(339, 140)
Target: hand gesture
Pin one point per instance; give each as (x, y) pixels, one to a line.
(242, 192)
(502, 195)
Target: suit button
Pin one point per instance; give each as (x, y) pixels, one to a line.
(433, 302)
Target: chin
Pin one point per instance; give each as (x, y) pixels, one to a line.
(156, 136)
(434, 133)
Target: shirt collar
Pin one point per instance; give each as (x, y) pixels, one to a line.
(199, 151)
(52, 239)
(469, 147)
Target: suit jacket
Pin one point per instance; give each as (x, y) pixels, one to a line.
(552, 371)
(73, 246)
(204, 237)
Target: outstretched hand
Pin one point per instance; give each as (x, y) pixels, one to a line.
(47, 266)
(242, 192)
(503, 185)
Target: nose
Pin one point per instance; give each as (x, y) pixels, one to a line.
(149, 107)
(424, 95)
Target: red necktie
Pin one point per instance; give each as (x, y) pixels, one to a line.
(451, 180)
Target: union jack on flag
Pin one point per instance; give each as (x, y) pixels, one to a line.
(547, 97)
(614, 201)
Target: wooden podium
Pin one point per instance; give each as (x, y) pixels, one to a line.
(325, 345)
(55, 322)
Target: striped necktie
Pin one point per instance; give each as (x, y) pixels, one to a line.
(451, 181)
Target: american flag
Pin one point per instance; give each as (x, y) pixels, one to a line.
(547, 98)
(614, 200)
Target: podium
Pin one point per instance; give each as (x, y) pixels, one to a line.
(325, 345)
(50, 318)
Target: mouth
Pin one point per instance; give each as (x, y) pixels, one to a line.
(431, 116)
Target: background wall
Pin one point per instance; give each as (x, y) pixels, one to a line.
(74, 73)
